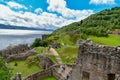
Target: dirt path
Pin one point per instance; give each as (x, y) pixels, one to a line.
(54, 52)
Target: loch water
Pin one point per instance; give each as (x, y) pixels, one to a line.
(15, 37)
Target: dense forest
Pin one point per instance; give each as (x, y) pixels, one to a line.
(98, 24)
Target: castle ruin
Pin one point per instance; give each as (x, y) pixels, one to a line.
(96, 62)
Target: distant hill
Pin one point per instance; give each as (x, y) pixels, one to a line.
(2, 26)
(97, 24)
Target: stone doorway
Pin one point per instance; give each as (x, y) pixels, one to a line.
(111, 76)
(85, 75)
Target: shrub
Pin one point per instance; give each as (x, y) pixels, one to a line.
(84, 36)
(5, 71)
(38, 42)
(32, 61)
(74, 37)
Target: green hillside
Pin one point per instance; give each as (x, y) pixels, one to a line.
(96, 27)
(97, 24)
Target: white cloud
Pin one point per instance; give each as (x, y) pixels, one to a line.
(60, 7)
(102, 2)
(38, 11)
(44, 19)
(56, 5)
(29, 19)
(15, 5)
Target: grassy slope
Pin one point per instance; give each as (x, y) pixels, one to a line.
(101, 22)
(112, 40)
(69, 51)
(40, 50)
(23, 68)
(66, 39)
(68, 54)
(61, 38)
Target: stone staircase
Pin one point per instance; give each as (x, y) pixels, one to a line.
(64, 72)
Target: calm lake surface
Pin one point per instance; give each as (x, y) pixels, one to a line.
(15, 37)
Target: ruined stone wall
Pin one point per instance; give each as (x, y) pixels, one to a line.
(96, 62)
(45, 73)
(51, 71)
(45, 62)
(14, 50)
(39, 75)
(21, 56)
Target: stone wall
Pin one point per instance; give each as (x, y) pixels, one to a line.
(45, 62)
(39, 75)
(45, 73)
(14, 50)
(21, 56)
(96, 62)
(51, 71)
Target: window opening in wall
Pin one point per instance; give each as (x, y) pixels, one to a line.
(111, 76)
(85, 76)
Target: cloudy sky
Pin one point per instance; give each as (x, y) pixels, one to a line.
(50, 13)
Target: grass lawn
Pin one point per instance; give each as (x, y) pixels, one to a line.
(62, 38)
(40, 50)
(23, 68)
(49, 78)
(68, 54)
(112, 40)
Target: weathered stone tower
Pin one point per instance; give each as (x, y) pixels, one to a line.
(96, 62)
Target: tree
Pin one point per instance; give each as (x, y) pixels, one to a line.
(38, 42)
(5, 71)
